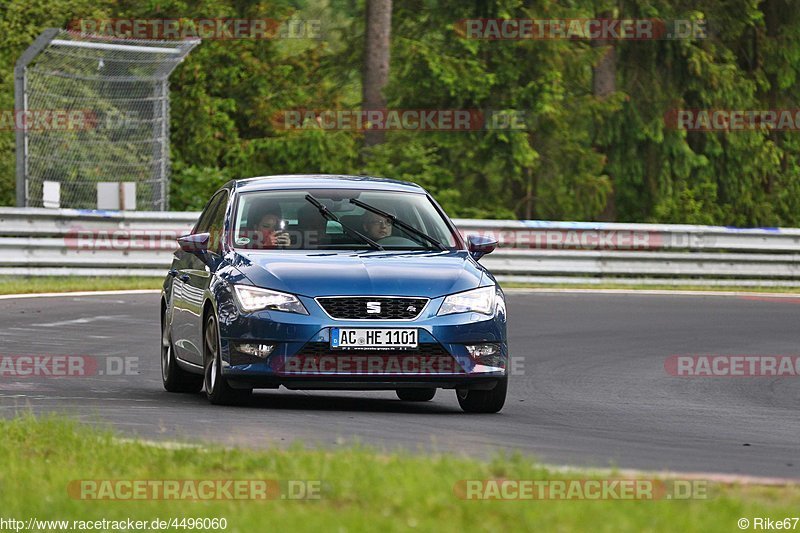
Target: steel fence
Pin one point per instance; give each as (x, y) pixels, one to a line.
(96, 121)
(37, 241)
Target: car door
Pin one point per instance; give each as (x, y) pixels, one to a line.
(192, 280)
(199, 273)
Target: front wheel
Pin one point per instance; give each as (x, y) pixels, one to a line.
(483, 401)
(217, 389)
(416, 395)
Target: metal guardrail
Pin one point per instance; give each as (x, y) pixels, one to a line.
(35, 241)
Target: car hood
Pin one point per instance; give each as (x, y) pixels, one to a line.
(375, 273)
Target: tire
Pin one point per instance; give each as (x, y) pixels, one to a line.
(218, 391)
(173, 377)
(416, 395)
(483, 401)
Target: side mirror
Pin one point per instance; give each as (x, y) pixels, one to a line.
(195, 244)
(480, 246)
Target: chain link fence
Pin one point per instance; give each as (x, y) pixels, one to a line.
(97, 121)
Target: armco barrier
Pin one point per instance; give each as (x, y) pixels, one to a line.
(36, 241)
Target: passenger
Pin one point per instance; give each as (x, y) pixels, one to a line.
(375, 226)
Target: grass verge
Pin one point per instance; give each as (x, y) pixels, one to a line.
(34, 284)
(360, 489)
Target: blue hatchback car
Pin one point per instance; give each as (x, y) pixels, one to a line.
(332, 282)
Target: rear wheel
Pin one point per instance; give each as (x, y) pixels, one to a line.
(483, 401)
(217, 389)
(174, 378)
(416, 395)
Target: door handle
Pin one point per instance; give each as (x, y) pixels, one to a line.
(184, 277)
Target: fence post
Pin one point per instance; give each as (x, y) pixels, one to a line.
(21, 106)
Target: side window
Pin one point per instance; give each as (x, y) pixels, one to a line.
(218, 224)
(204, 223)
(212, 221)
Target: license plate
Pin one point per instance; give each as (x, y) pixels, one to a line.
(373, 338)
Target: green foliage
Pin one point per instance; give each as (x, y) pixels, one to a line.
(21, 21)
(581, 157)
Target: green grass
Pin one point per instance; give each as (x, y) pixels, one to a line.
(362, 490)
(33, 284)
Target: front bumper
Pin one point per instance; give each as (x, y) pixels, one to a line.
(302, 358)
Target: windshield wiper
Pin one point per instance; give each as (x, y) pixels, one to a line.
(329, 215)
(421, 235)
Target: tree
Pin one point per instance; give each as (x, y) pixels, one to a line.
(376, 61)
(604, 84)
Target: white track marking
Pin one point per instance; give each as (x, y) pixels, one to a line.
(714, 477)
(71, 294)
(652, 292)
(83, 320)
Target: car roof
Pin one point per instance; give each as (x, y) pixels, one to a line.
(324, 181)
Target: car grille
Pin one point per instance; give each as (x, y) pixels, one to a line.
(372, 308)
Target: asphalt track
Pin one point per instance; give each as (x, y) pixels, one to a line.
(591, 389)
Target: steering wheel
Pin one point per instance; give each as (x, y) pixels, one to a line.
(394, 240)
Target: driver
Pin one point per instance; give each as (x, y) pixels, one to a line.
(375, 226)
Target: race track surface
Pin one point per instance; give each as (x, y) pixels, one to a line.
(590, 387)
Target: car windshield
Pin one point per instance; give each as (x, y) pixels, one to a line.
(288, 219)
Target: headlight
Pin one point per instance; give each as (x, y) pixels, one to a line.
(477, 300)
(253, 299)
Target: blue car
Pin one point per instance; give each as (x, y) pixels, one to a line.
(332, 282)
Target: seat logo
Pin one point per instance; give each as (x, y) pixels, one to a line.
(373, 308)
